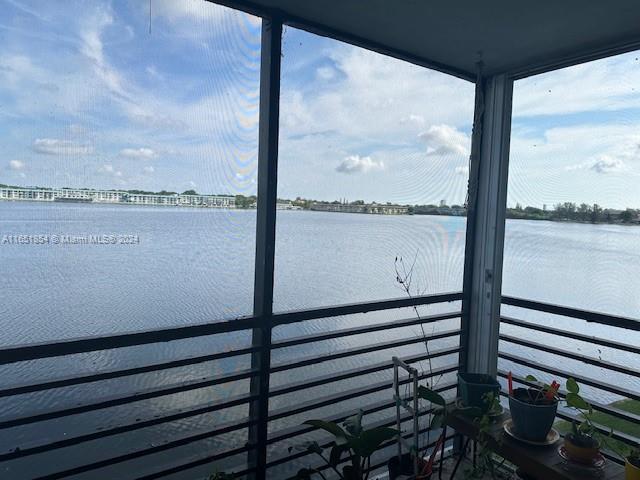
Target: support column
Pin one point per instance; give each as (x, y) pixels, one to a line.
(265, 240)
(486, 212)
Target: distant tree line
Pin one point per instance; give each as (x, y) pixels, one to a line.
(572, 212)
(567, 211)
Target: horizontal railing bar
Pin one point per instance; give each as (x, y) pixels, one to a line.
(317, 337)
(586, 315)
(117, 400)
(21, 353)
(170, 417)
(297, 430)
(623, 392)
(57, 348)
(111, 374)
(347, 394)
(363, 307)
(566, 354)
(107, 375)
(356, 371)
(573, 335)
(178, 442)
(194, 463)
(601, 407)
(350, 352)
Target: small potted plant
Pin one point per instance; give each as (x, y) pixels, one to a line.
(632, 466)
(533, 409)
(582, 444)
(474, 388)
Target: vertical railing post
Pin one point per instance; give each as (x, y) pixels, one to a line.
(265, 240)
(486, 210)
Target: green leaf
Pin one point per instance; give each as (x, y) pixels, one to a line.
(576, 401)
(572, 386)
(369, 440)
(531, 378)
(334, 456)
(313, 447)
(437, 421)
(353, 424)
(331, 427)
(304, 474)
(431, 396)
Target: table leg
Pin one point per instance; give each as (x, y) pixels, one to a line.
(460, 458)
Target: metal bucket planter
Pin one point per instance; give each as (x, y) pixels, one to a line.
(474, 387)
(581, 449)
(632, 470)
(532, 421)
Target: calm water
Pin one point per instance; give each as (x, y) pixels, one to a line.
(193, 265)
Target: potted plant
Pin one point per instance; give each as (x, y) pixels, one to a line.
(353, 440)
(582, 444)
(533, 410)
(474, 387)
(632, 466)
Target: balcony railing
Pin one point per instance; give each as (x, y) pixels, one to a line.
(279, 459)
(523, 334)
(374, 377)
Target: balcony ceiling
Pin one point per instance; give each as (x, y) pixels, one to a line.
(513, 35)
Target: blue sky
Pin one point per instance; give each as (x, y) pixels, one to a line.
(91, 96)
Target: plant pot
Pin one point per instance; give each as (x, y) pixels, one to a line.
(403, 467)
(586, 450)
(632, 470)
(531, 421)
(474, 386)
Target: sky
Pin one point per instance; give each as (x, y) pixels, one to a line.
(163, 95)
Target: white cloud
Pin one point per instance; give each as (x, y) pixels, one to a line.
(413, 118)
(375, 98)
(464, 170)
(603, 85)
(602, 164)
(16, 165)
(148, 169)
(108, 169)
(445, 140)
(142, 153)
(326, 73)
(54, 146)
(358, 164)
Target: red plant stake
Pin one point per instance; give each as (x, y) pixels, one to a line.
(510, 381)
(552, 390)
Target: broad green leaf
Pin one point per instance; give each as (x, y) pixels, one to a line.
(304, 474)
(531, 378)
(369, 440)
(576, 401)
(436, 421)
(470, 412)
(572, 386)
(353, 424)
(431, 396)
(331, 427)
